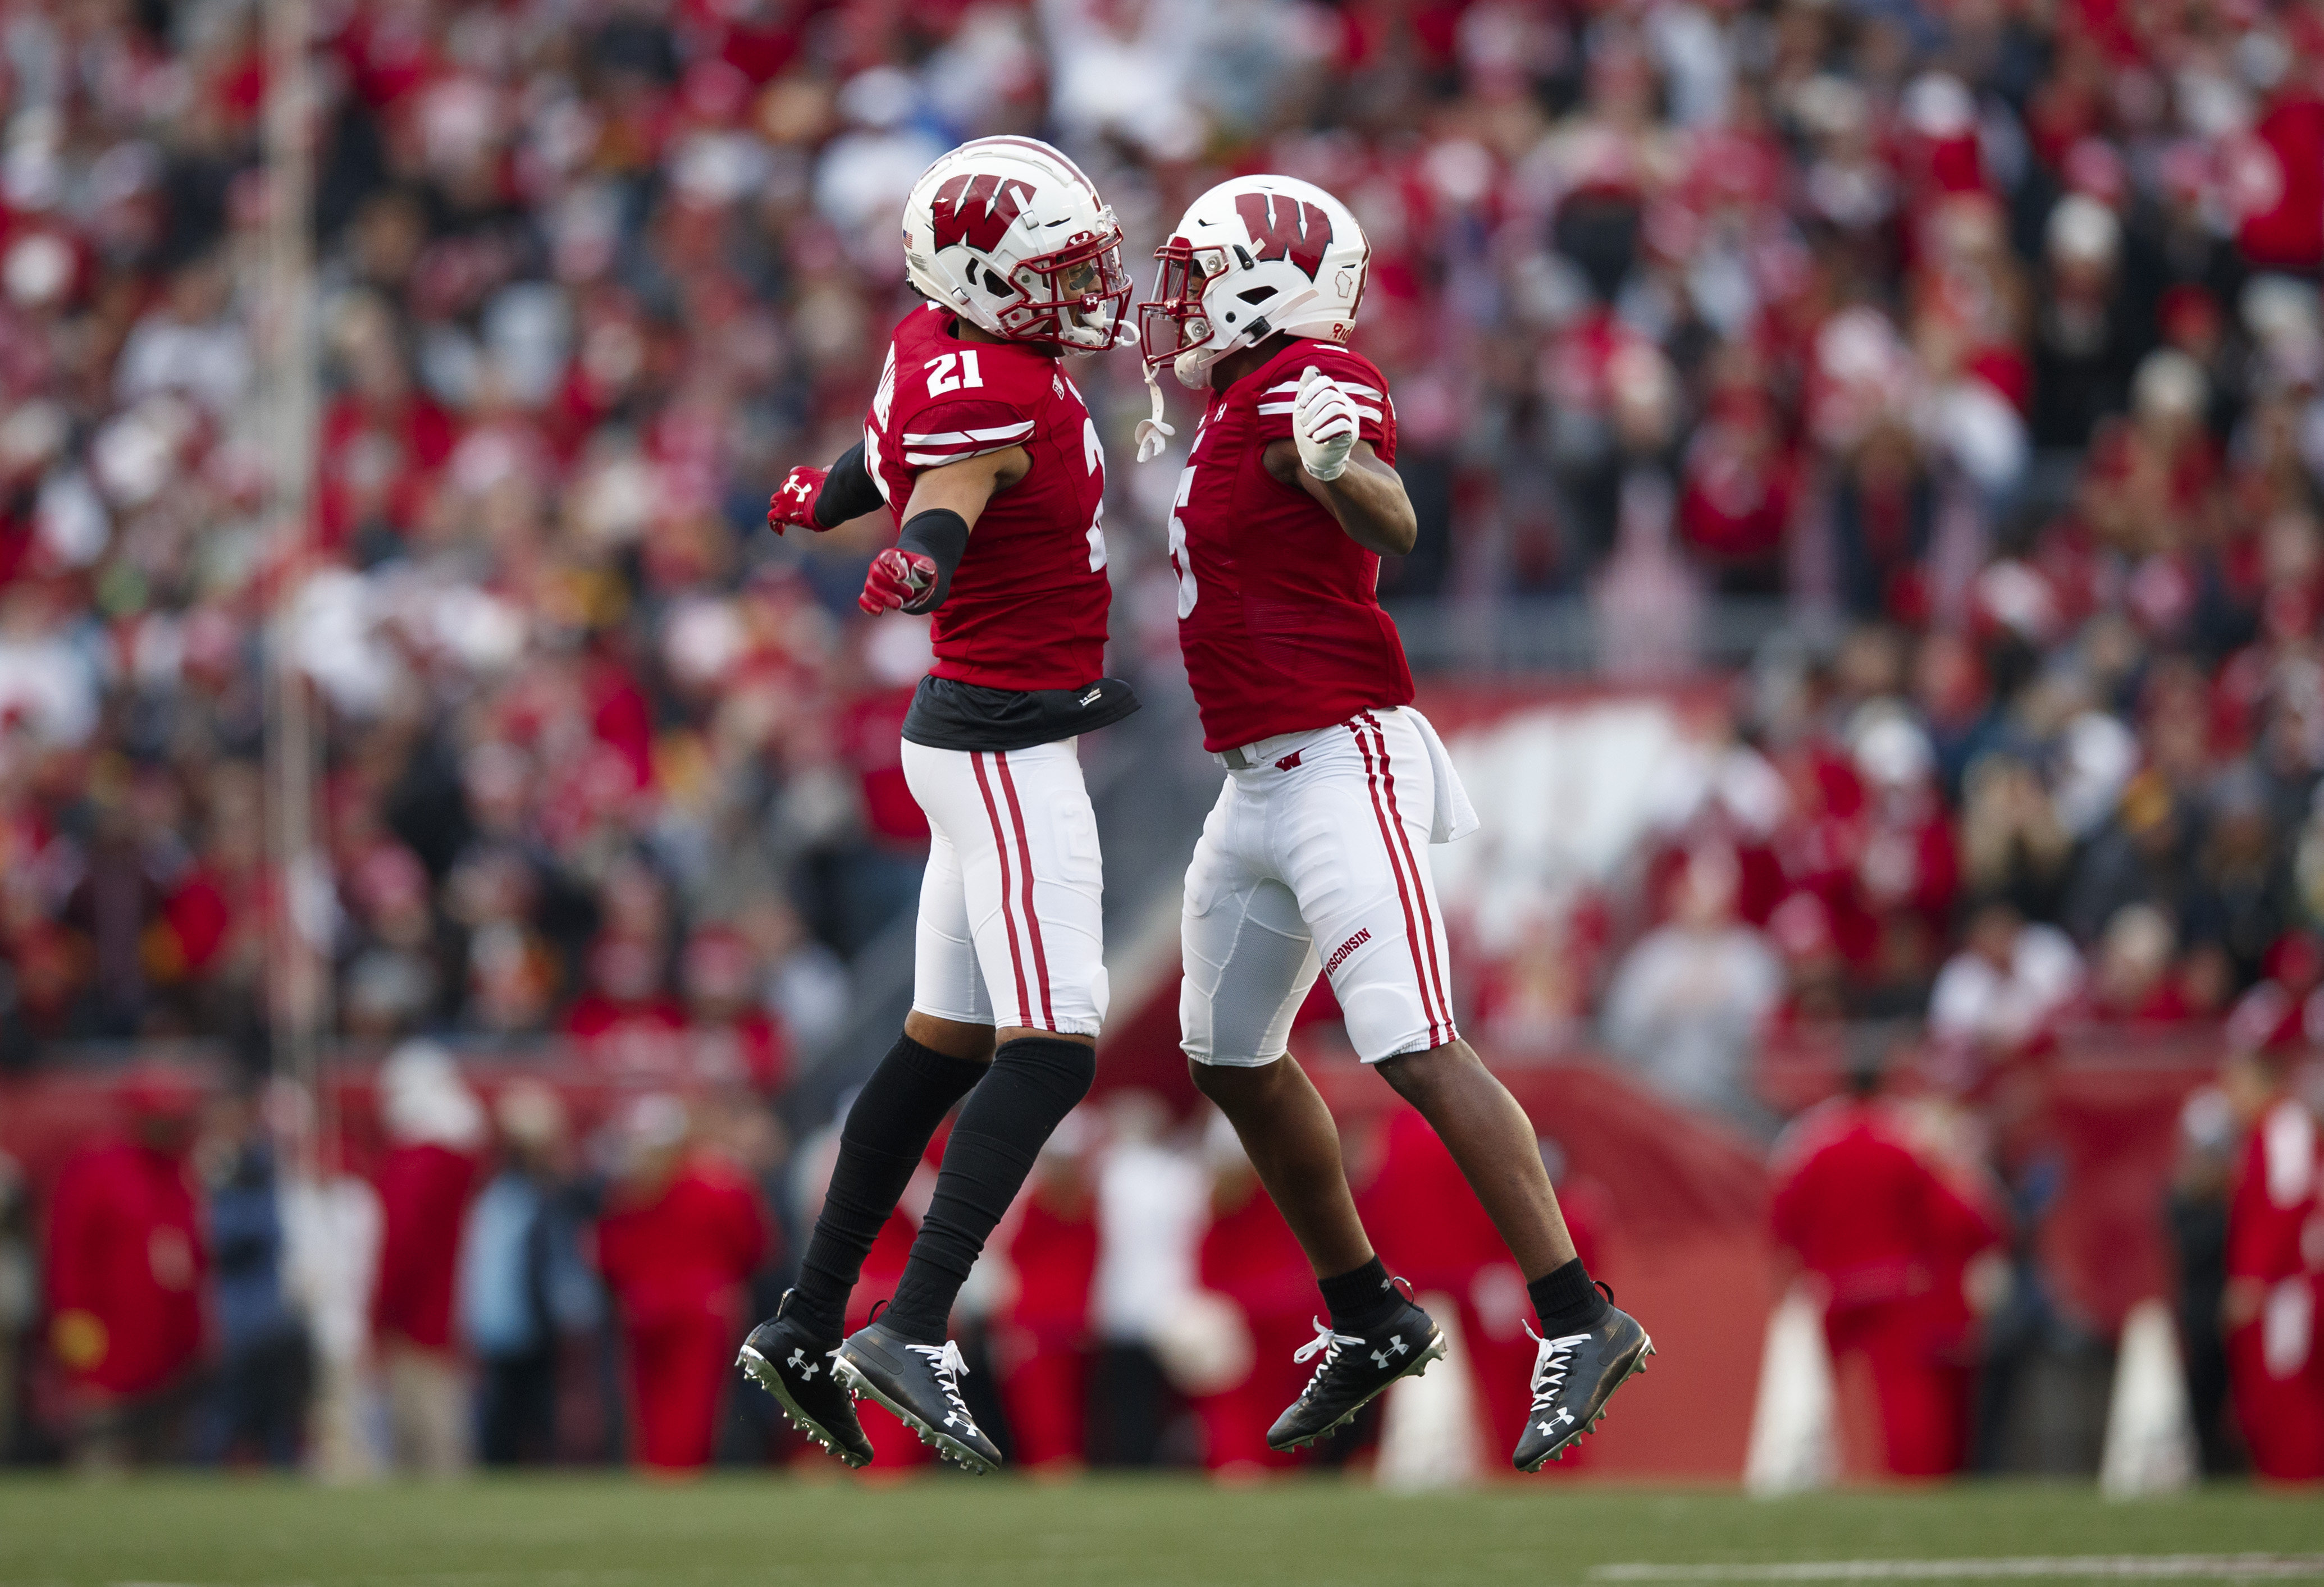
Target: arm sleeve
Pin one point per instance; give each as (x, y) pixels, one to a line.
(847, 489)
(1356, 376)
(956, 430)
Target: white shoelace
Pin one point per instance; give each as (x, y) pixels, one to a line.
(1549, 1364)
(950, 1366)
(1327, 1344)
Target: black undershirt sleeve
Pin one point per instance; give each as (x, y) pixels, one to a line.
(847, 489)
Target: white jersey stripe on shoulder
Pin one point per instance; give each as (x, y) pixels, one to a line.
(955, 454)
(1348, 386)
(952, 437)
(1337, 379)
(1361, 411)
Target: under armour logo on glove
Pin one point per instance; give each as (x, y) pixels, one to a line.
(793, 501)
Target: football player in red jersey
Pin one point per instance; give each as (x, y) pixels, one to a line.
(1314, 860)
(979, 443)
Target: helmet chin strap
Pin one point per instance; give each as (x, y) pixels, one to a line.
(1153, 434)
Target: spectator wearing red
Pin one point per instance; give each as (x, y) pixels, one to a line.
(435, 1128)
(1886, 1238)
(2276, 1372)
(124, 1270)
(1249, 1259)
(1044, 1339)
(683, 1232)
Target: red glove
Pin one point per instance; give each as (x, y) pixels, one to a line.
(897, 579)
(793, 501)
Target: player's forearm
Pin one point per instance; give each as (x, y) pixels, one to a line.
(1367, 498)
(848, 491)
(1369, 502)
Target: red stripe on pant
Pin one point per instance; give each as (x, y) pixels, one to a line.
(1032, 915)
(1427, 921)
(1411, 932)
(1000, 854)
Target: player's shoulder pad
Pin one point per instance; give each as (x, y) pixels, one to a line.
(949, 429)
(1356, 374)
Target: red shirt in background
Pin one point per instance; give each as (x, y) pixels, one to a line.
(125, 1269)
(1865, 1215)
(423, 1197)
(687, 1252)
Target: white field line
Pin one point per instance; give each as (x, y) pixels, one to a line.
(2238, 1567)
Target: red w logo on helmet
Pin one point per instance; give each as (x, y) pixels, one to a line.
(1287, 228)
(977, 210)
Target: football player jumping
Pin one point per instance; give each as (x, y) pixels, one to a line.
(1315, 858)
(978, 442)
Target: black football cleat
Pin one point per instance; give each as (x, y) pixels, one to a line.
(798, 1370)
(1355, 1368)
(1573, 1377)
(920, 1384)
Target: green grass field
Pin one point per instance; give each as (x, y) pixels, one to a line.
(957, 1532)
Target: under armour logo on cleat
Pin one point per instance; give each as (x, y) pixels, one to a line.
(800, 1363)
(1381, 1357)
(1566, 1417)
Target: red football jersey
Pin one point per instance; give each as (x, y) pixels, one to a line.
(1028, 604)
(1278, 610)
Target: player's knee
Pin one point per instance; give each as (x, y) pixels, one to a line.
(1422, 1075)
(1233, 1087)
(1061, 1065)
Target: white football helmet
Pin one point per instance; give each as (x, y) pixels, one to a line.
(1253, 256)
(1009, 235)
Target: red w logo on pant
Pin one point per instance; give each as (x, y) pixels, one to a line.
(1287, 228)
(978, 209)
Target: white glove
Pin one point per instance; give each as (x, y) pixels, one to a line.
(1324, 424)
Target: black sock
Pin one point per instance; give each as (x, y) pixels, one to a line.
(893, 1118)
(1360, 1300)
(1566, 1301)
(1035, 1081)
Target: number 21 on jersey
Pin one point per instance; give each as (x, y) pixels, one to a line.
(953, 371)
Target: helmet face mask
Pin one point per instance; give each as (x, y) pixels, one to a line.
(1007, 234)
(1172, 325)
(1078, 295)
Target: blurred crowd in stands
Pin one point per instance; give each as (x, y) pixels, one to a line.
(1982, 339)
(1985, 336)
